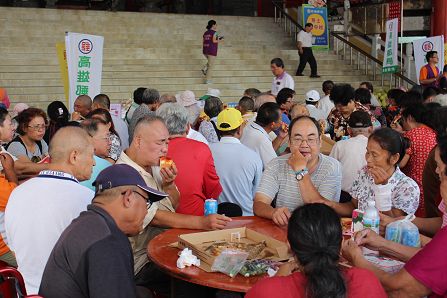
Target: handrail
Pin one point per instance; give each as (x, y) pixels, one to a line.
(278, 5)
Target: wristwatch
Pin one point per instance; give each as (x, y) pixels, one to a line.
(300, 174)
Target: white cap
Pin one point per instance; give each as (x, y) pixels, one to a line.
(313, 96)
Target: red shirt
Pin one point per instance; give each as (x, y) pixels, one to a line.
(197, 179)
(360, 283)
(423, 140)
(429, 265)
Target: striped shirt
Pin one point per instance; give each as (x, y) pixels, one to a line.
(278, 180)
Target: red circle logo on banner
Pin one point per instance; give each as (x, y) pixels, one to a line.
(85, 46)
(427, 46)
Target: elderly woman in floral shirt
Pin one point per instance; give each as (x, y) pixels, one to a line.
(381, 180)
(343, 97)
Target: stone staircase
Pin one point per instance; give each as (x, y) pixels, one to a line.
(161, 51)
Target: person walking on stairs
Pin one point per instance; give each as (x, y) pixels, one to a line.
(305, 51)
(210, 43)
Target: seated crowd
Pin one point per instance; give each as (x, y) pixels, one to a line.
(72, 187)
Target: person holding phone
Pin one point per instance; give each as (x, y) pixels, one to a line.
(210, 44)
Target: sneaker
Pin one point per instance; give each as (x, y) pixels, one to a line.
(299, 74)
(315, 76)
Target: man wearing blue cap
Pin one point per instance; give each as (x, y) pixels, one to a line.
(93, 256)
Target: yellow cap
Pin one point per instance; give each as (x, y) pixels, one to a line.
(229, 119)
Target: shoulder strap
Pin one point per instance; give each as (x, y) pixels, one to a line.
(215, 129)
(19, 139)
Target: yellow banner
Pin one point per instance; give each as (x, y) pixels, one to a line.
(62, 57)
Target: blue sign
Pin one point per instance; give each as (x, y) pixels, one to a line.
(318, 17)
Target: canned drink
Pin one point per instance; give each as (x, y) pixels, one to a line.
(210, 207)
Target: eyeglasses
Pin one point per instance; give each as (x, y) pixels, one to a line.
(310, 141)
(146, 199)
(38, 127)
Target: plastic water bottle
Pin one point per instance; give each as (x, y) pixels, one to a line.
(371, 218)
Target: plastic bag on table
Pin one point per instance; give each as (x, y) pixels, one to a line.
(404, 232)
(230, 262)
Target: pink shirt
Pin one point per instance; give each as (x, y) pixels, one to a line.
(360, 283)
(429, 265)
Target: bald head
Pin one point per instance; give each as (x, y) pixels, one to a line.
(65, 141)
(262, 99)
(83, 105)
(299, 110)
(143, 123)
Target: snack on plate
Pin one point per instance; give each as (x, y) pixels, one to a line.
(165, 162)
(253, 249)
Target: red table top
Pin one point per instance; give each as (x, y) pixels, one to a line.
(166, 257)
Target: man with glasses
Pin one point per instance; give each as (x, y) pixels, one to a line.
(99, 131)
(93, 256)
(429, 74)
(303, 176)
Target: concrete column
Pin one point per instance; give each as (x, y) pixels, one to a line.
(439, 18)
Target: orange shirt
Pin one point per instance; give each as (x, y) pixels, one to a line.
(6, 188)
(423, 74)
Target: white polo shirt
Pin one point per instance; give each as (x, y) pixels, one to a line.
(37, 213)
(305, 39)
(326, 105)
(195, 135)
(351, 154)
(256, 138)
(283, 81)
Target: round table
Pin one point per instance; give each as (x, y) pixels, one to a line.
(165, 256)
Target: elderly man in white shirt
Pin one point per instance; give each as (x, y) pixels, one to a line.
(282, 79)
(40, 209)
(304, 46)
(351, 152)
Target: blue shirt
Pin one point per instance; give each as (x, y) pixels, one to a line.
(239, 169)
(100, 164)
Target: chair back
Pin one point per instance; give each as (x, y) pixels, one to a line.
(12, 284)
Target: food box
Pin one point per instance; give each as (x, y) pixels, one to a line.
(200, 242)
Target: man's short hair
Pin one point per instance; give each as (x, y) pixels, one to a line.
(368, 85)
(283, 95)
(146, 120)
(327, 86)
(309, 25)
(85, 100)
(278, 62)
(102, 100)
(91, 126)
(363, 96)
(213, 106)
(430, 55)
(252, 92)
(150, 96)
(294, 121)
(342, 94)
(175, 116)
(138, 95)
(429, 92)
(268, 113)
(246, 103)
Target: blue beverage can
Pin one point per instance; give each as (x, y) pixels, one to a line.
(210, 207)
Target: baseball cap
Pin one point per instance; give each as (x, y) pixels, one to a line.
(211, 92)
(121, 175)
(186, 98)
(359, 119)
(313, 96)
(229, 119)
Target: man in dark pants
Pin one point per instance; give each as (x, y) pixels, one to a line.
(305, 51)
